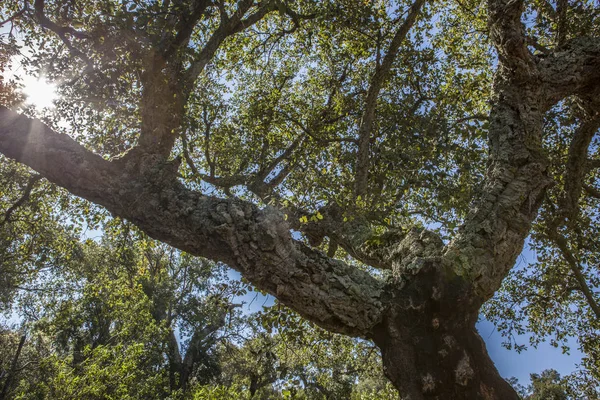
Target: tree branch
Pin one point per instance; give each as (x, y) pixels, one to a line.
(571, 69)
(227, 27)
(494, 232)
(24, 197)
(256, 242)
(16, 15)
(561, 243)
(525, 87)
(377, 81)
(508, 35)
(184, 27)
(576, 166)
(13, 368)
(61, 31)
(592, 164)
(560, 18)
(592, 191)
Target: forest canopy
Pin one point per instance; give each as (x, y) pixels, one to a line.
(377, 166)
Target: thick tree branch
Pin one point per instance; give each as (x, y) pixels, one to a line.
(576, 166)
(167, 87)
(13, 368)
(494, 232)
(377, 81)
(571, 69)
(508, 35)
(256, 242)
(525, 87)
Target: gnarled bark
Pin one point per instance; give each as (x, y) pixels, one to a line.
(429, 344)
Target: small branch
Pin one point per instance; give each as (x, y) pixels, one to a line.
(476, 117)
(24, 197)
(285, 155)
(16, 15)
(592, 191)
(311, 131)
(61, 31)
(536, 45)
(561, 243)
(207, 127)
(561, 21)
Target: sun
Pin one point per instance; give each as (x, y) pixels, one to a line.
(39, 92)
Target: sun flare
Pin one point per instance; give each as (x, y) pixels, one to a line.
(39, 92)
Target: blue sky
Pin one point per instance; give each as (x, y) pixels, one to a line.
(533, 360)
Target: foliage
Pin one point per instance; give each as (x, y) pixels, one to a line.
(97, 329)
(549, 385)
(284, 105)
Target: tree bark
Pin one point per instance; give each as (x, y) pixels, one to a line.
(444, 363)
(429, 344)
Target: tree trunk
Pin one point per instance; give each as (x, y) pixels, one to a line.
(13, 369)
(429, 344)
(449, 364)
